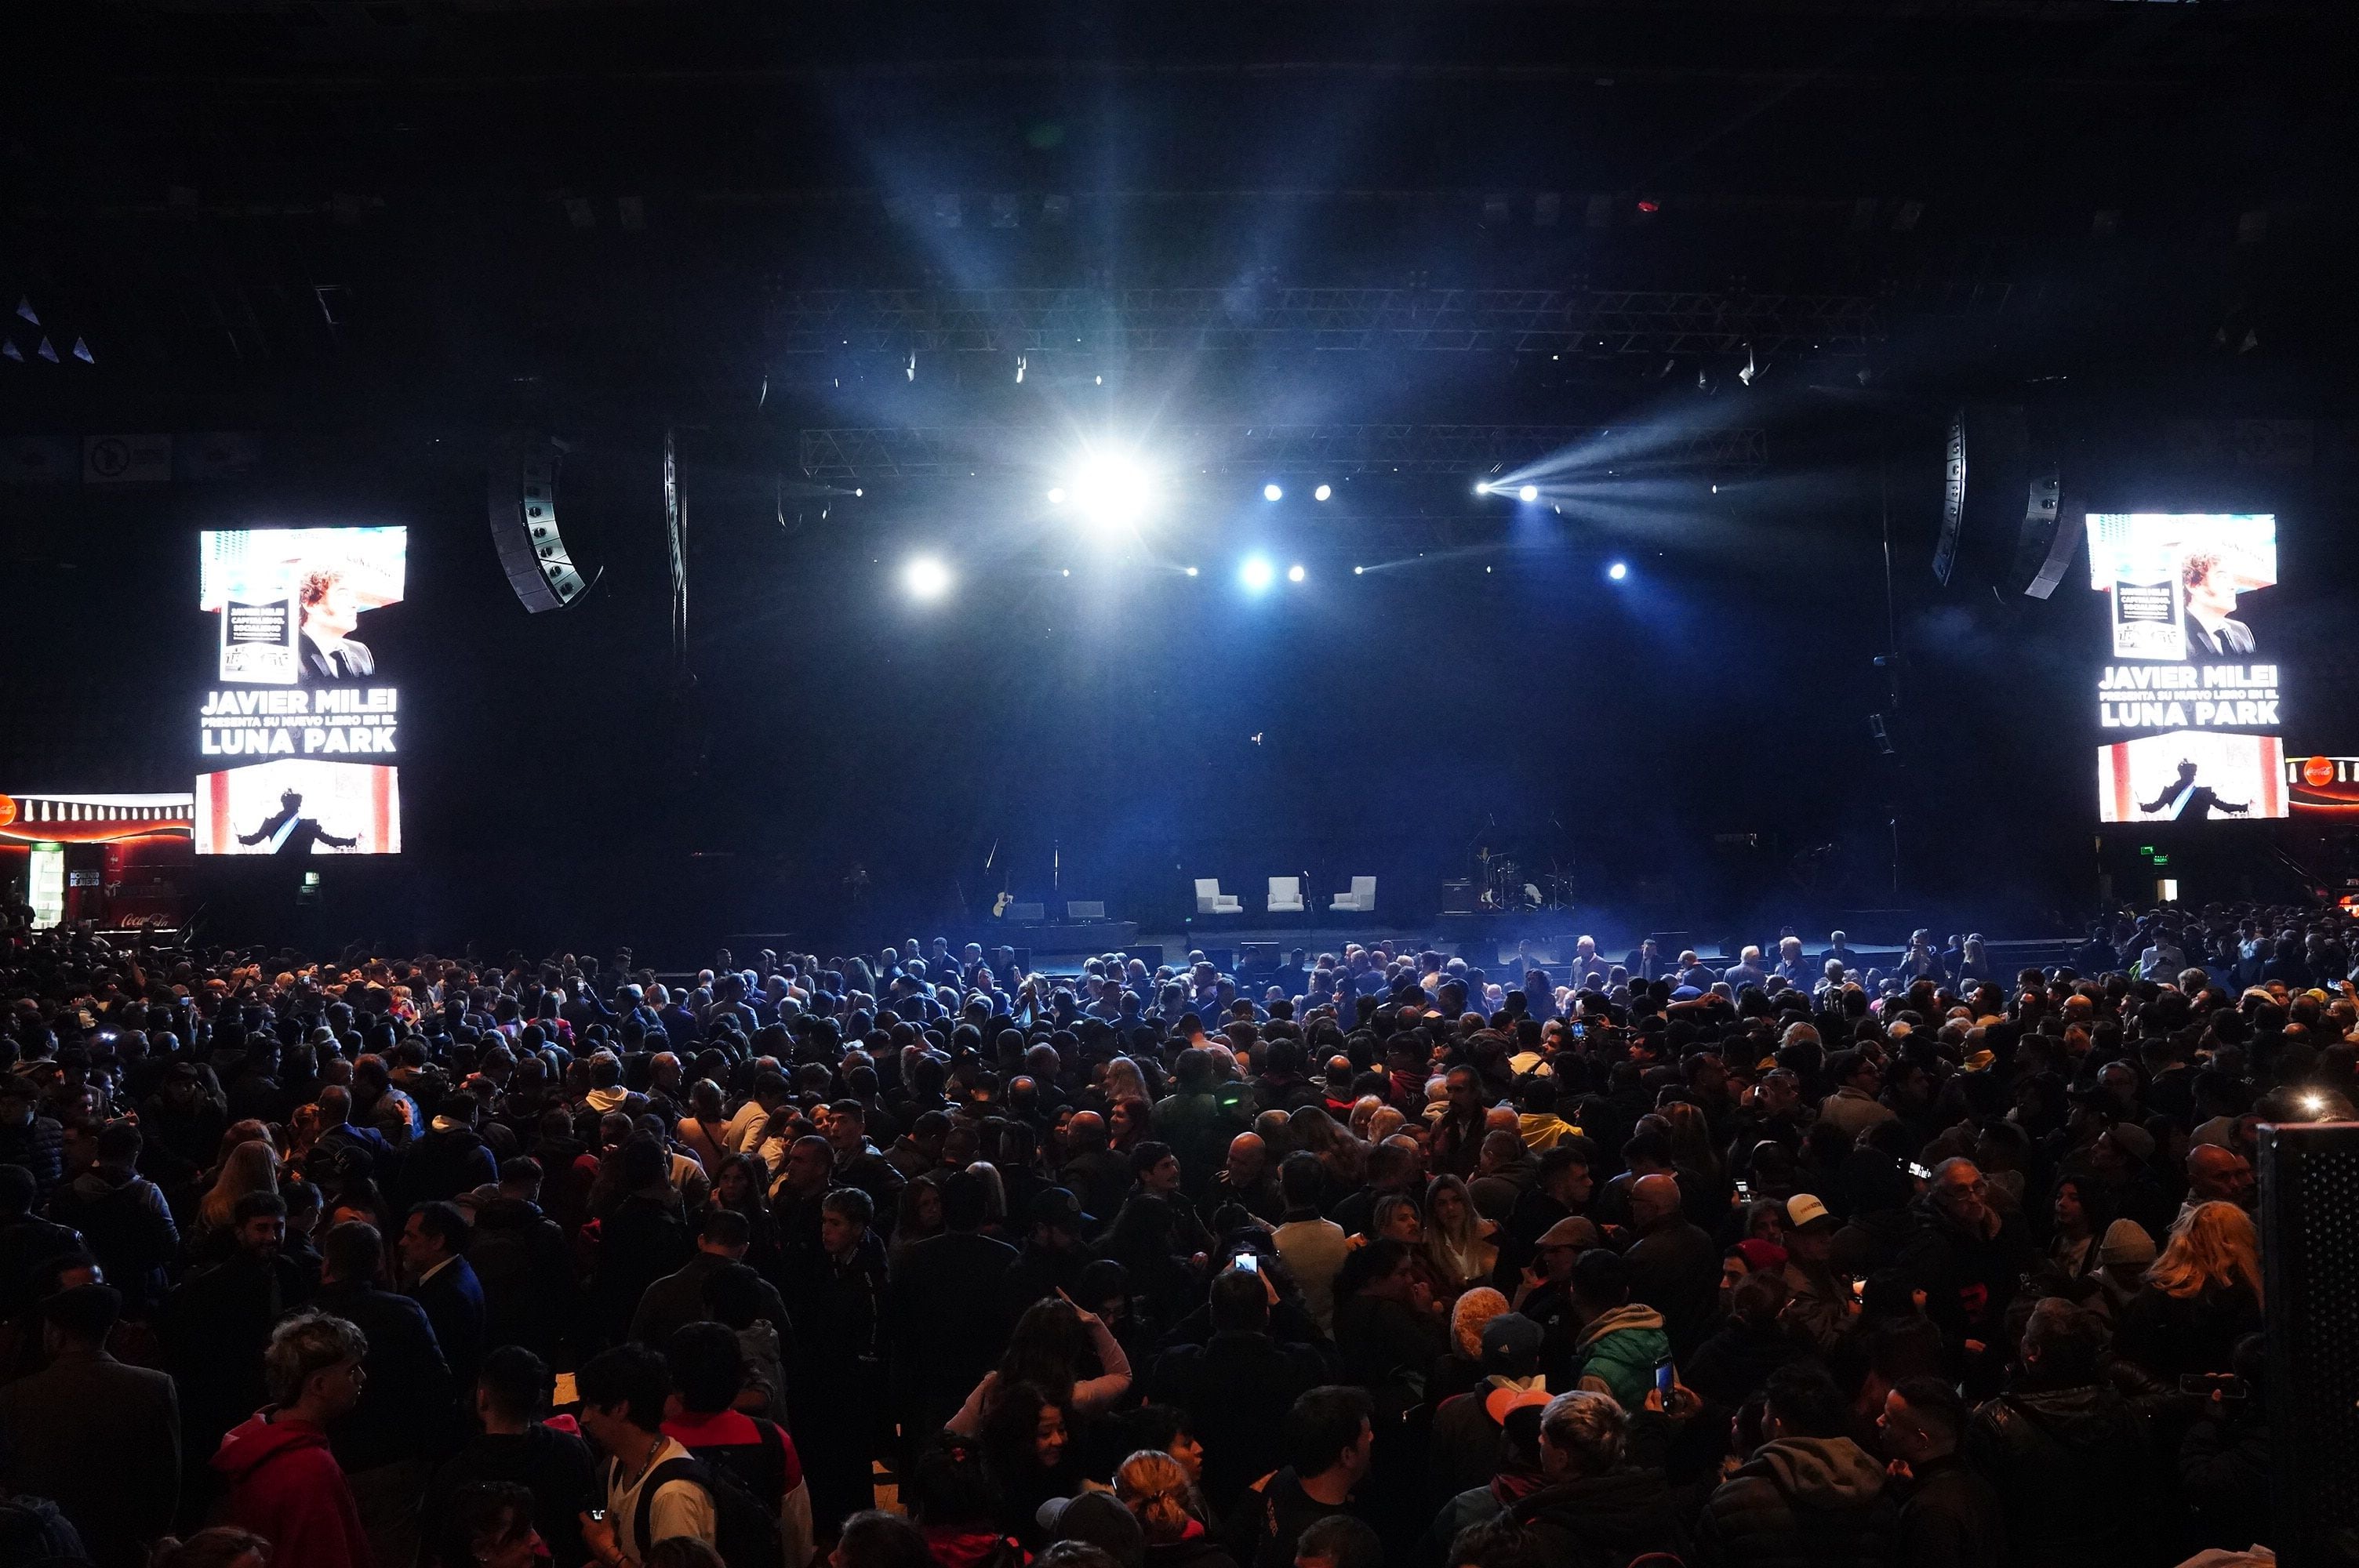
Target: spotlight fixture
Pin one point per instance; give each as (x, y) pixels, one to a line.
(1272, 493)
(1529, 493)
(1057, 497)
(1191, 571)
(1482, 487)
(1294, 573)
(1256, 574)
(1617, 571)
(1324, 492)
(1111, 494)
(926, 578)
(1359, 571)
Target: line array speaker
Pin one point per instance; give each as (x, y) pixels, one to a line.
(523, 501)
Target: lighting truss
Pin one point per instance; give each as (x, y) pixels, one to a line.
(1329, 452)
(1461, 320)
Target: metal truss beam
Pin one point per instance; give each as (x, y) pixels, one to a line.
(1461, 320)
(1325, 450)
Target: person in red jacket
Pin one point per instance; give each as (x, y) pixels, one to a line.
(284, 1484)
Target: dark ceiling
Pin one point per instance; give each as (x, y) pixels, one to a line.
(320, 210)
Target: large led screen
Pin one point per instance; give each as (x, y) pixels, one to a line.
(2188, 698)
(299, 737)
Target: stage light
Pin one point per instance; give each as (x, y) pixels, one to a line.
(1111, 494)
(926, 578)
(1482, 487)
(1256, 574)
(1529, 493)
(1324, 492)
(1359, 571)
(1191, 571)
(1294, 573)
(1057, 497)
(1272, 493)
(1617, 571)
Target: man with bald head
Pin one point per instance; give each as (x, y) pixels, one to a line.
(1093, 1172)
(2216, 1173)
(1247, 1180)
(1674, 1265)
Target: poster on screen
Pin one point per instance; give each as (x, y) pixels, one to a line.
(2191, 775)
(300, 805)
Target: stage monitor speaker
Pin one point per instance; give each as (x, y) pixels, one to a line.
(1458, 896)
(1148, 952)
(1258, 957)
(523, 502)
(1027, 913)
(1221, 959)
(2001, 496)
(2309, 1251)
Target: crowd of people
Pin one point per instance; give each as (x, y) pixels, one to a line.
(915, 1260)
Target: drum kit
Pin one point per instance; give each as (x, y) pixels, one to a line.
(1507, 889)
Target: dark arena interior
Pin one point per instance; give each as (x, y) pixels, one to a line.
(967, 754)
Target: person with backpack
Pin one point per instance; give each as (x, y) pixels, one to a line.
(756, 1456)
(654, 1487)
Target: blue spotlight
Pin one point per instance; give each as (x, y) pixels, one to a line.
(1529, 493)
(1617, 571)
(1256, 574)
(1322, 493)
(1272, 493)
(1295, 573)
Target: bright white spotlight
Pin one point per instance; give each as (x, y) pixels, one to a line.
(1482, 487)
(1057, 497)
(1272, 493)
(1359, 571)
(1529, 493)
(1294, 573)
(1191, 571)
(1111, 494)
(1256, 574)
(1324, 492)
(926, 578)
(1617, 571)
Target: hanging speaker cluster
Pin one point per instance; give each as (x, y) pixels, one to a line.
(523, 499)
(2002, 498)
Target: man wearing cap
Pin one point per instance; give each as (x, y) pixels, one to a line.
(1468, 1442)
(2124, 1255)
(1545, 1296)
(1817, 1305)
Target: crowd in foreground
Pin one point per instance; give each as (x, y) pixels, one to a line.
(374, 1263)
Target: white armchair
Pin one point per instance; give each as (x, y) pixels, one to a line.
(1286, 895)
(1211, 900)
(1361, 900)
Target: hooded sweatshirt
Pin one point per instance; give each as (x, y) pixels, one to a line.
(1617, 1352)
(1801, 1502)
(285, 1486)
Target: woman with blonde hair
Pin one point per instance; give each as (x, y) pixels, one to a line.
(2202, 1296)
(1458, 1241)
(1155, 1488)
(250, 1167)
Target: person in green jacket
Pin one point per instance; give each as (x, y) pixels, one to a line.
(1620, 1340)
(1198, 1120)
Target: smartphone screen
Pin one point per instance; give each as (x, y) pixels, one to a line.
(1249, 1262)
(1663, 1376)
